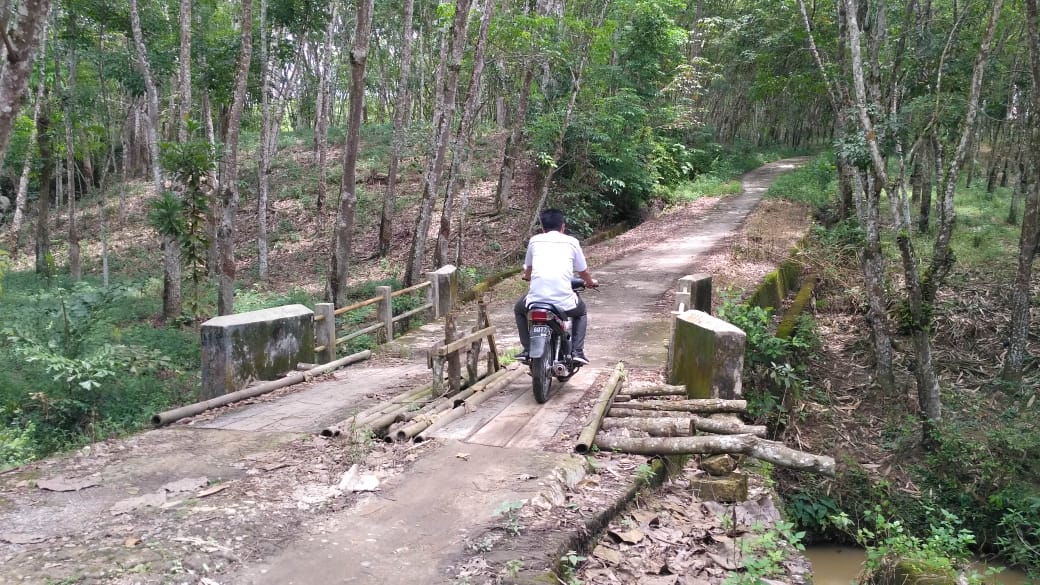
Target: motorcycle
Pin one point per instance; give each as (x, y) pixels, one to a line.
(550, 353)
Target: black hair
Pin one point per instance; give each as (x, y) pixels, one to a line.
(551, 219)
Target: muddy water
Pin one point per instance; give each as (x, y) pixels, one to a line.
(839, 565)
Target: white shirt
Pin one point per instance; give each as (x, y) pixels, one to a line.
(554, 258)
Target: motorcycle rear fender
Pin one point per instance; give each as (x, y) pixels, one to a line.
(540, 336)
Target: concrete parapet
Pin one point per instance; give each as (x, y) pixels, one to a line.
(260, 345)
(445, 290)
(708, 356)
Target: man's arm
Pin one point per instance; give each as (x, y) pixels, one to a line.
(587, 278)
(527, 273)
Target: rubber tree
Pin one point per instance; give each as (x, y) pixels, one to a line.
(22, 38)
(230, 195)
(401, 104)
(443, 116)
(1018, 335)
(172, 297)
(344, 234)
(463, 143)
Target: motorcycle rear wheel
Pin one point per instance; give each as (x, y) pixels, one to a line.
(541, 373)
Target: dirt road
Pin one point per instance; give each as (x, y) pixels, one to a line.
(249, 495)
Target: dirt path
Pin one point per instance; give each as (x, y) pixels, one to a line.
(139, 510)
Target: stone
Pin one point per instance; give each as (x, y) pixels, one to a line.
(718, 465)
(727, 488)
(708, 356)
(256, 345)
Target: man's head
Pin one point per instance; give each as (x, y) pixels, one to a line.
(552, 220)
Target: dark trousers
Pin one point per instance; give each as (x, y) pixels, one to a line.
(579, 322)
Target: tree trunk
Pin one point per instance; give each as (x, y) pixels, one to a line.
(444, 113)
(1018, 335)
(172, 299)
(75, 268)
(386, 218)
(21, 40)
(655, 427)
(212, 217)
(577, 74)
(230, 195)
(321, 125)
(184, 71)
(513, 142)
(770, 451)
(707, 405)
(43, 244)
(928, 396)
(464, 139)
(266, 149)
(343, 239)
(23, 180)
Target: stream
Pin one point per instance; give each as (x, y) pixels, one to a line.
(839, 565)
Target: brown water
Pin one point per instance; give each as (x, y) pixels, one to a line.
(839, 565)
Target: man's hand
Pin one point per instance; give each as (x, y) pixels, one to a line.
(591, 283)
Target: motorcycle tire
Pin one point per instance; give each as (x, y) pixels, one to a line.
(541, 374)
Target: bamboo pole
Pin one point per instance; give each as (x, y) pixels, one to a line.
(703, 405)
(588, 434)
(169, 416)
(360, 418)
(469, 405)
(425, 416)
(773, 452)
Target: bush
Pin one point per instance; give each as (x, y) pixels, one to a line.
(812, 183)
(773, 373)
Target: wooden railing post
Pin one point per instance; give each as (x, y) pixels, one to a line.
(324, 332)
(386, 310)
(454, 363)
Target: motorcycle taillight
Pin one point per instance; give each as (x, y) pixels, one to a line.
(539, 315)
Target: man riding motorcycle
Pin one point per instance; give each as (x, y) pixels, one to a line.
(552, 260)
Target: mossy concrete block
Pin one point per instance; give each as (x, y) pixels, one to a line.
(728, 488)
(261, 345)
(708, 356)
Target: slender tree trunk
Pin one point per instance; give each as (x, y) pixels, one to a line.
(576, 79)
(444, 113)
(230, 195)
(872, 259)
(43, 244)
(21, 39)
(104, 240)
(172, 299)
(464, 139)
(513, 142)
(23, 180)
(1018, 335)
(75, 268)
(184, 71)
(321, 126)
(266, 150)
(386, 227)
(343, 240)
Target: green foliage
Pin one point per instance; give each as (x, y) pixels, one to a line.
(943, 550)
(984, 469)
(772, 369)
(3, 269)
(511, 512)
(764, 552)
(813, 183)
(645, 474)
(569, 564)
(812, 513)
(77, 367)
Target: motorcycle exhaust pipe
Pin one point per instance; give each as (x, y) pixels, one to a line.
(559, 369)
